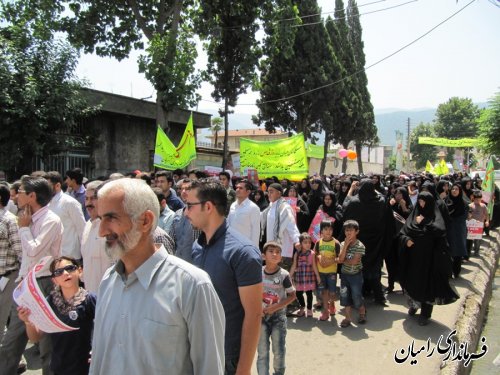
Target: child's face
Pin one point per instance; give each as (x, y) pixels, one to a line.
(272, 255)
(306, 244)
(327, 232)
(351, 233)
(66, 274)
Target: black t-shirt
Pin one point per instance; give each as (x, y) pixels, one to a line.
(71, 350)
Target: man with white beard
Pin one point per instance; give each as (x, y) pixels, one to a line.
(155, 313)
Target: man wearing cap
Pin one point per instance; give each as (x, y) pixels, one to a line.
(278, 223)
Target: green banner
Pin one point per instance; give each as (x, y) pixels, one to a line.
(283, 158)
(444, 142)
(167, 156)
(315, 151)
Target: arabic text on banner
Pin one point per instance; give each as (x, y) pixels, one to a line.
(28, 294)
(167, 156)
(444, 142)
(283, 158)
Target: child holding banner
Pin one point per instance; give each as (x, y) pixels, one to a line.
(75, 307)
(479, 212)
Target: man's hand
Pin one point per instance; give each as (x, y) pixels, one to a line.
(25, 218)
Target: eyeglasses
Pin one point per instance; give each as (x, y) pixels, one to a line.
(190, 205)
(21, 191)
(69, 269)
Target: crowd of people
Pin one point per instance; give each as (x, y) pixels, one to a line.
(196, 274)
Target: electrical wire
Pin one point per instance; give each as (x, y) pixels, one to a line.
(361, 70)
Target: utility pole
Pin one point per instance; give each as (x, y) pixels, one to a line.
(408, 144)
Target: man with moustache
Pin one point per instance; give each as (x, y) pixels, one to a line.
(155, 313)
(95, 259)
(40, 231)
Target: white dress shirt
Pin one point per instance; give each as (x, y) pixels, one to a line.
(245, 218)
(43, 237)
(95, 259)
(288, 232)
(70, 212)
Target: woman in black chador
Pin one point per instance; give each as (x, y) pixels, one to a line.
(425, 261)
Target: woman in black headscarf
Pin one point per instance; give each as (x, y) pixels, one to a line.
(334, 210)
(425, 262)
(259, 197)
(441, 205)
(315, 198)
(375, 218)
(401, 206)
(344, 189)
(457, 230)
(466, 184)
(302, 209)
(303, 189)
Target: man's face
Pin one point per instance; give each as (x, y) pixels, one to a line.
(224, 181)
(116, 226)
(195, 210)
(241, 192)
(91, 204)
(13, 196)
(273, 194)
(54, 187)
(184, 190)
(23, 198)
(163, 185)
(71, 183)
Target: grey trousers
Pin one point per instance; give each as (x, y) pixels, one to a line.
(15, 339)
(6, 301)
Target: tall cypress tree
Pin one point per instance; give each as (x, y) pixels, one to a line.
(287, 72)
(364, 118)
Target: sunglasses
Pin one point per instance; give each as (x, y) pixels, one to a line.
(69, 269)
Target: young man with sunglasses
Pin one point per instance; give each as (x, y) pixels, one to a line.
(40, 231)
(235, 267)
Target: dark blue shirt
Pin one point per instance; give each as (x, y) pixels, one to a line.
(232, 261)
(174, 203)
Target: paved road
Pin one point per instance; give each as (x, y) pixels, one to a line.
(315, 347)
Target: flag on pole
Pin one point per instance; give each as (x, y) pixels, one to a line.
(488, 186)
(428, 167)
(167, 156)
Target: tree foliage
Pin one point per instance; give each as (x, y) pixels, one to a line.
(295, 65)
(457, 118)
(421, 153)
(41, 103)
(233, 52)
(489, 126)
(115, 28)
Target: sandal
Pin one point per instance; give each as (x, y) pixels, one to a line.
(301, 313)
(345, 323)
(362, 318)
(324, 316)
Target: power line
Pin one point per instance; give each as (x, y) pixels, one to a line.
(361, 70)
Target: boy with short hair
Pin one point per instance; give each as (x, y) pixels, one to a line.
(351, 277)
(278, 293)
(327, 250)
(478, 211)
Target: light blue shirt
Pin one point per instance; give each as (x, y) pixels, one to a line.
(164, 318)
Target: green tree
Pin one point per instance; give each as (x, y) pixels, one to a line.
(115, 28)
(489, 127)
(217, 123)
(457, 118)
(41, 103)
(365, 131)
(422, 153)
(291, 72)
(233, 52)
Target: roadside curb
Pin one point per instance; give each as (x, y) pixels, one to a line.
(473, 310)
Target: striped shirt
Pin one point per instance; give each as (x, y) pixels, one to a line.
(10, 243)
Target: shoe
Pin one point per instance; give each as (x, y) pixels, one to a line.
(309, 313)
(422, 321)
(389, 289)
(362, 318)
(324, 316)
(332, 308)
(412, 311)
(301, 313)
(21, 368)
(318, 306)
(345, 323)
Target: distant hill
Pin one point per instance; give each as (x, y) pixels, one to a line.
(387, 120)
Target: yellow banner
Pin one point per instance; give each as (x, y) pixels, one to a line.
(283, 158)
(444, 142)
(167, 156)
(315, 151)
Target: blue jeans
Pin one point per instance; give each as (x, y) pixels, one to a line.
(351, 290)
(274, 327)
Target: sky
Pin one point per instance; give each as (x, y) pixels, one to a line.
(459, 58)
